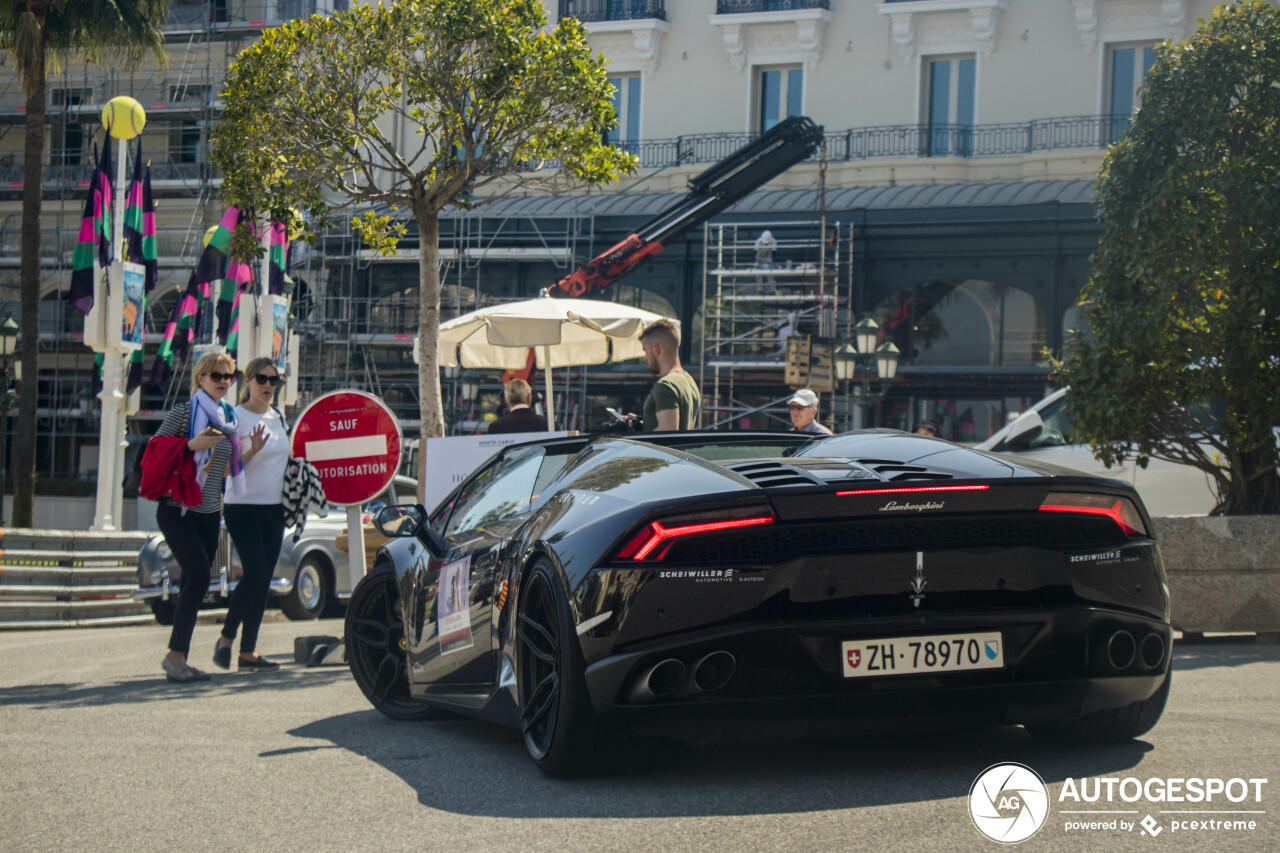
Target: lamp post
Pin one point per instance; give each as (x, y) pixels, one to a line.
(470, 382)
(451, 374)
(9, 356)
(883, 358)
(123, 118)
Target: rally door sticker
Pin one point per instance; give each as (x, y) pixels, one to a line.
(452, 609)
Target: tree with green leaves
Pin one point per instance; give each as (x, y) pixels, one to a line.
(490, 101)
(1182, 359)
(41, 35)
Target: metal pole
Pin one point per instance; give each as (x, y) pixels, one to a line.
(106, 515)
(4, 426)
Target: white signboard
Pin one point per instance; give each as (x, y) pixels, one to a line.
(447, 461)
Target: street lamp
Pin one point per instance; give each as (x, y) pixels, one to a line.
(849, 360)
(450, 374)
(9, 357)
(470, 385)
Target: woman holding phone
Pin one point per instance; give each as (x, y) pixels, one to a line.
(210, 426)
(255, 518)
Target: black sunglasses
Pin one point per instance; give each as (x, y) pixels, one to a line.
(264, 379)
(218, 377)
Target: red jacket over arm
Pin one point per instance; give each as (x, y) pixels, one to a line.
(168, 469)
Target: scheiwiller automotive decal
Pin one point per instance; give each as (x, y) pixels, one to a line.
(1009, 803)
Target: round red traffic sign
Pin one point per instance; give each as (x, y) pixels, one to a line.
(353, 440)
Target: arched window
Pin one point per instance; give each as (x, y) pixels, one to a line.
(970, 322)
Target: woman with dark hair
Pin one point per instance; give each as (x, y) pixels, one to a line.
(255, 518)
(209, 425)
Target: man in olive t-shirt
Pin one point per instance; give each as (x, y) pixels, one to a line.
(674, 403)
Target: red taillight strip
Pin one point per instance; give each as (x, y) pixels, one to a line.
(904, 489)
(659, 534)
(1115, 512)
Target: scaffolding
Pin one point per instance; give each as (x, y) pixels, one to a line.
(355, 313)
(767, 288)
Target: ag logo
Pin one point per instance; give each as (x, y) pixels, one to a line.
(1008, 803)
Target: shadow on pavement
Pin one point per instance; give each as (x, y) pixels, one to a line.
(159, 689)
(472, 768)
(1198, 656)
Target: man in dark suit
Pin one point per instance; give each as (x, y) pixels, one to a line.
(521, 418)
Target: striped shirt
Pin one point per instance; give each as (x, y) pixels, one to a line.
(175, 423)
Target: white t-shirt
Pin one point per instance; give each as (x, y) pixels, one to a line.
(264, 473)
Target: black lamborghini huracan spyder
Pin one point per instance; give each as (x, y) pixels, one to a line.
(717, 584)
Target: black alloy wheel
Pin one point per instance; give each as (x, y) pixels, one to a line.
(375, 649)
(561, 730)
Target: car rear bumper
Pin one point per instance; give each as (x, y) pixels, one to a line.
(1057, 665)
(166, 590)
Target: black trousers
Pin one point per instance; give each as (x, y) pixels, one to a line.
(193, 539)
(257, 530)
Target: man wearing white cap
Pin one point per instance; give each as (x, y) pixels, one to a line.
(804, 413)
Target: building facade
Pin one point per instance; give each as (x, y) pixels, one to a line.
(963, 140)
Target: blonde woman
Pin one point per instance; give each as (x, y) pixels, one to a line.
(255, 518)
(209, 425)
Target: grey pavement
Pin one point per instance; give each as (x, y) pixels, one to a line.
(99, 752)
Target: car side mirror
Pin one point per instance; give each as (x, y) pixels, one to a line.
(405, 520)
(1024, 431)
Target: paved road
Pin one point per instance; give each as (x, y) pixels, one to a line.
(99, 752)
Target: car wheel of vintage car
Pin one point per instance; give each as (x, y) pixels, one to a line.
(1122, 723)
(163, 611)
(375, 649)
(310, 591)
(562, 732)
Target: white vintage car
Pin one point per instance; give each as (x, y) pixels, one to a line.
(312, 574)
(1044, 433)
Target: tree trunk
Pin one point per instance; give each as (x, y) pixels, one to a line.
(24, 443)
(429, 407)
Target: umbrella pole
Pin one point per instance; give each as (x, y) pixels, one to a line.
(551, 406)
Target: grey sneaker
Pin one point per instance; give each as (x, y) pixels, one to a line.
(183, 673)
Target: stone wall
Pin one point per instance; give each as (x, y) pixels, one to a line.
(1224, 573)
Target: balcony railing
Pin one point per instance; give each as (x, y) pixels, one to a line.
(904, 141)
(187, 15)
(61, 172)
(591, 11)
(735, 7)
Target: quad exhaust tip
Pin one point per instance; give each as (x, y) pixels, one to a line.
(713, 671)
(670, 678)
(1121, 648)
(1152, 651)
(657, 682)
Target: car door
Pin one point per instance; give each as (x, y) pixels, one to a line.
(450, 634)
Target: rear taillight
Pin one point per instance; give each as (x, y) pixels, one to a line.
(652, 543)
(1120, 510)
(904, 490)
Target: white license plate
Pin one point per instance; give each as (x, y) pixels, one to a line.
(910, 655)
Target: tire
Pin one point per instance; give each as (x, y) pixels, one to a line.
(1123, 723)
(375, 649)
(561, 730)
(310, 591)
(163, 611)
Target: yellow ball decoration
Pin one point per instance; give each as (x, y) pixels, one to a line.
(208, 235)
(123, 117)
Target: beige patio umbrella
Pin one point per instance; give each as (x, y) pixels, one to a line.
(562, 333)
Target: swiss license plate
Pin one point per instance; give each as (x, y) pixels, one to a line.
(910, 655)
(209, 598)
